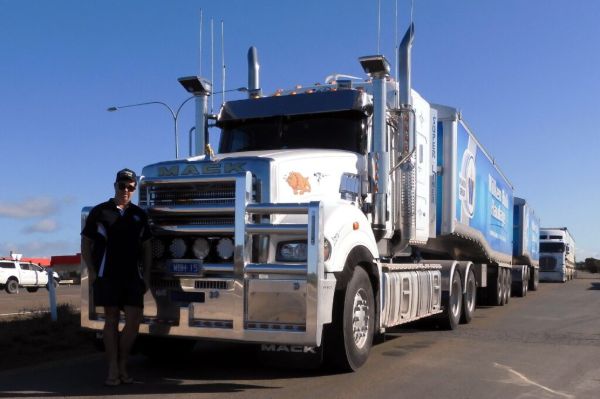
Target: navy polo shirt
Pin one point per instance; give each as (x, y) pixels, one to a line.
(117, 239)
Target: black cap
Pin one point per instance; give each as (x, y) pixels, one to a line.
(126, 174)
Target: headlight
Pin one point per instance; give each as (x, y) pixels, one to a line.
(225, 248)
(177, 248)
(201, 248)
(292, 251)
(158, 249)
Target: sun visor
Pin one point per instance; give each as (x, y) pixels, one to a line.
(298, 104)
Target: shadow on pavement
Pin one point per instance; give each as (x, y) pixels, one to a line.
(207, 370)
(594, 286)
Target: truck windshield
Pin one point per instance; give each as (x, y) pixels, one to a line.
(552, 247)
(339, 130)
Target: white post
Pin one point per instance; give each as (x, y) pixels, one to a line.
(51, 293)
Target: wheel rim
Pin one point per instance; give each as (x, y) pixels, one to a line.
(360, 318)
(455, 299)
(471, 288)
(500, 284)
(12, 285)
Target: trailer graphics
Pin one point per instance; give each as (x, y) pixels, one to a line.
(484, 196)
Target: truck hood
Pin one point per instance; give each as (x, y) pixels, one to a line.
(298, 175)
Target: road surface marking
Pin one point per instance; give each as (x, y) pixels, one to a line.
(530, 382)
(25, 313)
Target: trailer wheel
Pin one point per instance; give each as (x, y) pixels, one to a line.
(507, 285)
(496, 289)
(469, 298)
(534, 280)
(453, 307)
(12, 286)
(350, 336)
(523, 286)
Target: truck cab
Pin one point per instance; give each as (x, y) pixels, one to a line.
(557, 255)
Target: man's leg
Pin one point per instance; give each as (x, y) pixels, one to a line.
(111, 340)
(133, 317)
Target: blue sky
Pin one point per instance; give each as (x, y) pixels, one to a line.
(525, 74)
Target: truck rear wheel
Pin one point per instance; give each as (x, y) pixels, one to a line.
(534, 279)
(469, 298)
(350, 336)
(453, 307)
(496, 289)
(521, 286)
(12, 286)
(507, 285)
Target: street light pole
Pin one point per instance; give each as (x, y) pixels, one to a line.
(174, 115)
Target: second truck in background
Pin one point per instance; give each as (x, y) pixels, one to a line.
(557, 254)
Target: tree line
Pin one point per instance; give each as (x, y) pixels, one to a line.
(592, 265)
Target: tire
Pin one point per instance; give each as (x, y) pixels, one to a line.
(521, 287)
(496, 289)
(534, 279)
(350, 336)
(32, 289)
(469, 298)
(454, 303)
(12, 286)
(507, 285)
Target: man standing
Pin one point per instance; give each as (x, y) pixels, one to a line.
(115, 243)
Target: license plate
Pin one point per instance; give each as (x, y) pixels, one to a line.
(185, 268)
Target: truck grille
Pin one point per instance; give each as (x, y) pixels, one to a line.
(547, 263)
(188, 194)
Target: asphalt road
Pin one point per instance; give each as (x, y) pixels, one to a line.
(546, 345)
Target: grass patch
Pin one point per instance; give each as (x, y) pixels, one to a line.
(35, 339)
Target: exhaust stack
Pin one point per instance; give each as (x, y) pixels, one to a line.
(404, 65)
(253, 73)
(405, 189)
(378, 68)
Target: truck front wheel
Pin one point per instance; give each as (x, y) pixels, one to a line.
(349, 339)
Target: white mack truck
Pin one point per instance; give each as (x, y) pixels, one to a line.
(329, 214)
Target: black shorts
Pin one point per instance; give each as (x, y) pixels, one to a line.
(119, 293)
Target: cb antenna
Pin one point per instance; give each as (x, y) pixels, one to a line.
(223, 56)
(200, 47)
(212, 63)
(378, 25)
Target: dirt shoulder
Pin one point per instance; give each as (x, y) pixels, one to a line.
(33, 339)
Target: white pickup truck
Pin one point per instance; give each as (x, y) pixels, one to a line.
(15, 274)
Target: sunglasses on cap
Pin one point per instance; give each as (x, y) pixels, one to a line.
(124, 186)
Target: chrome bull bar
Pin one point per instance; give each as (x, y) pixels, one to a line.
(262, 302)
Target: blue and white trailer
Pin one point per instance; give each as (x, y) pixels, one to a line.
(526, 248)
(329, 214)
